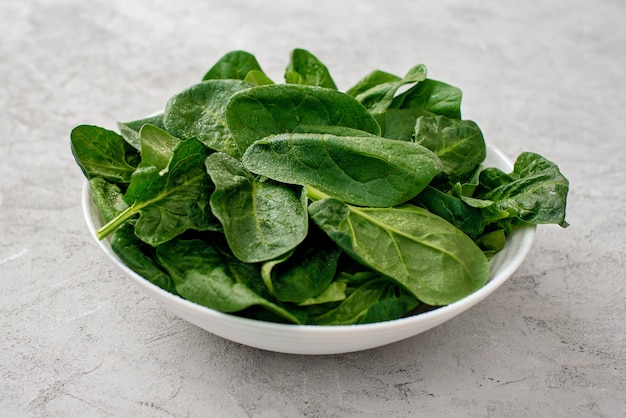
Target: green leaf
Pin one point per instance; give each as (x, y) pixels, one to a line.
(379, 96)
(399, 124)
(459, 144)
(534, 192)
(261, 219)
(202, 275)
(234, 65)
(364, 171)
(306, 68)
(199, 112)
(433, 96)
(303, 274)
(373, 301)
(130, 130)
(139, 257)
(103, 153)
(454, 210)
(370, 81)
(435, 261)
(169, 202)
(107, 197)
(157, 146)
(261, 111)
(257, 78)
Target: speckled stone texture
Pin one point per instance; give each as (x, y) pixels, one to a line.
(79, 340)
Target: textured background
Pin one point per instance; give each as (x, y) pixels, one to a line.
(79, 340)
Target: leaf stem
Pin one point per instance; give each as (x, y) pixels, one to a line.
(314, 194)
(114, 223)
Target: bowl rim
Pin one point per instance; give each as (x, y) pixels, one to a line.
(524, 236)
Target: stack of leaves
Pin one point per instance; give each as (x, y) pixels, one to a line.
(299, 203)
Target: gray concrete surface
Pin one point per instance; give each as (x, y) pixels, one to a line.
(79, 340)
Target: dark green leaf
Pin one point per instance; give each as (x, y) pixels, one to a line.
(107, 197)
(304, 274)
(400, 123)
(458, 143)
(261, 219)
(261, 111)
(454, 210)
(534, 192)
(379, 96)
(433, 96)
(373, 301)
(157, 146)
(427, 255)
(103, 153)
(234, 65)
(139, 257)
(169, 201)
(305, 68)
(130, 130)
(364, 171)
(202, 275)
(198, 112)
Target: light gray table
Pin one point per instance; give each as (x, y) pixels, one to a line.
(79, 340)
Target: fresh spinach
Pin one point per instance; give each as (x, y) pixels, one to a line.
(103, 153)
(534, 192)
(203, 275)
(303, 204)
(377, 90)
(235, 65)
(261, 111)
(130, 130)
(459, 144)
(170, 202)
(306, 68)
(199, 112)
(427, 255)
(304, 274)
(366, 171)
(262, 220)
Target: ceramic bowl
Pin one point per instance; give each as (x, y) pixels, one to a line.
(310, 339)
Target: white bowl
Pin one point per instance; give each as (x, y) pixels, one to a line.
(312, 339)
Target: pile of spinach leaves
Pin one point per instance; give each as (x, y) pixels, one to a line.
(299, 203)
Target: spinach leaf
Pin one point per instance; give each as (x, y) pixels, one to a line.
(261, 219)
(364, 171)
(261, 111)
(135, 254)
(305, 273)
(139, 257)
(306, 68)
(258, 78)
(378, 89)
(534, 192)
(234, 65)
(399, 124)
(202, 275)
(107, 197)
(130, 130)
(169, 202)
(373, 301)
(433, 96)
(435, 261)
(199, 112)
(453, 209)
(157, 146)
(335, 292)
(370, 81)
(459, 144)
(103, 153)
